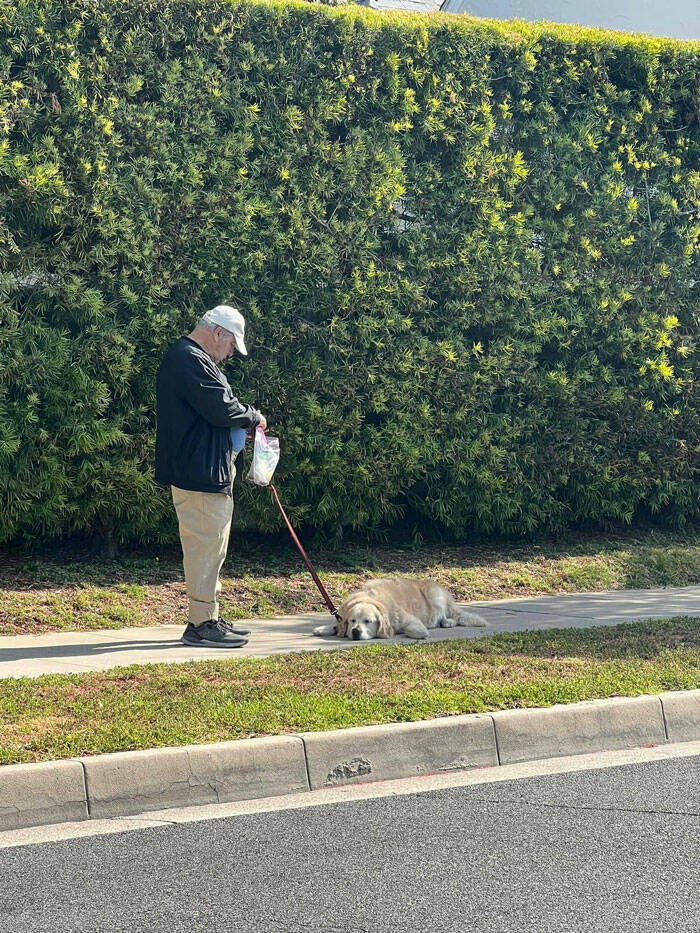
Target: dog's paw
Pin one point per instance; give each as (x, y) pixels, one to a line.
(475, 621)
(448, 623)
(321, 630)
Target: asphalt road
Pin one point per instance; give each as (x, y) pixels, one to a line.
(615, 849)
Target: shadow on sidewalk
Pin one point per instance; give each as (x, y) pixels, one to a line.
(84, 649)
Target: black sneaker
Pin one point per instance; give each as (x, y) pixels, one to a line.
(236, 629)
(211, 634)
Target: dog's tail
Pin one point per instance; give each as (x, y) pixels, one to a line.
(469, 618)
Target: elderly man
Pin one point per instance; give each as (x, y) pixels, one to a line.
(196, 412)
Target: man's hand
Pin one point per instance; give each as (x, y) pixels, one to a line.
(263, 421)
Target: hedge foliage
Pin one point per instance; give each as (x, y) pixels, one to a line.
(467, 252)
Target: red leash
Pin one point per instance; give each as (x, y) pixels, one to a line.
(321, 587)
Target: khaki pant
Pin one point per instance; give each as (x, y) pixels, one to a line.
(205, 523)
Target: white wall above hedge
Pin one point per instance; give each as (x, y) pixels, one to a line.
(678, 19)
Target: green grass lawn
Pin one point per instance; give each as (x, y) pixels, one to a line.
(46, 593)
(59, 716)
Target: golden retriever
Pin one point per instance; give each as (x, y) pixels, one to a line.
(382, 608)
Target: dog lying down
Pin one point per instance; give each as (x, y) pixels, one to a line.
(382, 608)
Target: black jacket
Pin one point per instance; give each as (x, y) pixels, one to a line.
(195, 411)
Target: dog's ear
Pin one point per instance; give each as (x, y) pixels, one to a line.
(385, 629)
(341, 619)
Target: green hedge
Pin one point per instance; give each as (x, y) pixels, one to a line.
(467, 252)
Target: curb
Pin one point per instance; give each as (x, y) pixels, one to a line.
(126, 783)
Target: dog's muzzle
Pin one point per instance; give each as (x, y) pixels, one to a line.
(356, 634)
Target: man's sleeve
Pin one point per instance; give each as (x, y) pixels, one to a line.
(212, 399)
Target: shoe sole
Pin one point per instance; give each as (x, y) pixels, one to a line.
(204, 643)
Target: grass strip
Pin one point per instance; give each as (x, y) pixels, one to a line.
(58, 716)
(42, 593)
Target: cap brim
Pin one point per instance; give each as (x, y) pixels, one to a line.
(240, 345)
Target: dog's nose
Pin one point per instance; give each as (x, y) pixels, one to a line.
(356, 634)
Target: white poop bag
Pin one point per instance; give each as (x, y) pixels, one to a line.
(266, 455)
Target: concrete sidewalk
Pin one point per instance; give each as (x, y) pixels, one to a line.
(75, 652)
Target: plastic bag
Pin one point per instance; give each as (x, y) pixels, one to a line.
(266, 455)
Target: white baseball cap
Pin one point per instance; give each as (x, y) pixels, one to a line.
(230, 319)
